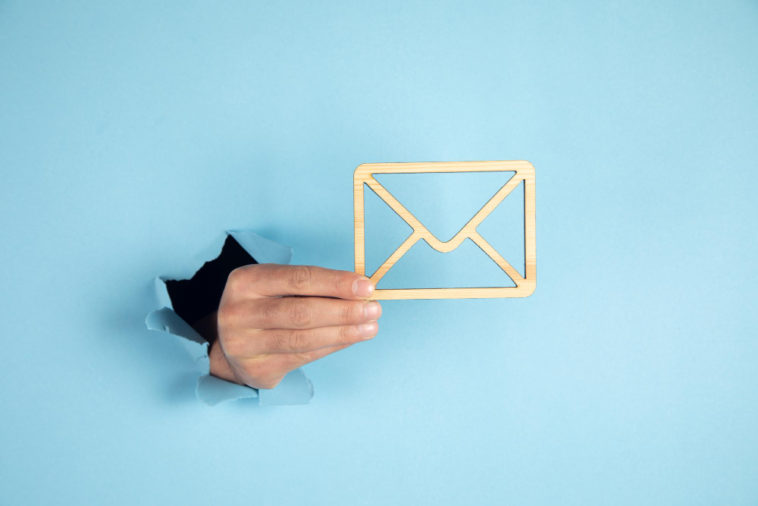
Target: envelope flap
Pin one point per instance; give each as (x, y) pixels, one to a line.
(504, 228)
(444, 202)
(365, 174)
(385, 230)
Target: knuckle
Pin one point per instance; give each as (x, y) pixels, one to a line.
(287, 341)
(305, 357)
(343, 284)
(233, 345)
(279, 340)
(236, 278)
(222, 315)
(269, 312)
(226, 315)
(347, 334)
(351, 312)
(297, 341)
(299, 314)
(243, 276)
(300, 277)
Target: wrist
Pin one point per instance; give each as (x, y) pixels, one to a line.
(220, 365)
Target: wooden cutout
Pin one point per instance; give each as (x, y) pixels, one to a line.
(524, 171)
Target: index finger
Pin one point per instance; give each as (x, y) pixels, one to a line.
(271, 280)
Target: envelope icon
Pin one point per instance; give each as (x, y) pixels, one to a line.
(523, 171)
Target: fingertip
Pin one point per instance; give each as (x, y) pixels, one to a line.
(372, 310)
(368, 330)
(363, 287)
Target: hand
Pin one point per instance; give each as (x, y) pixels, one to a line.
(275, 318)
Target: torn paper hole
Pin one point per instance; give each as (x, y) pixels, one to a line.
(295, 388)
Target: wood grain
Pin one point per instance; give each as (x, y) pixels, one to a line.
(523, 172)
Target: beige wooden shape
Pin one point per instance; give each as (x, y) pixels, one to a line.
(524, 171)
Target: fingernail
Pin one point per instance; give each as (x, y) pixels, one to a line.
(363, 287)
(372, 310)
(368, 329)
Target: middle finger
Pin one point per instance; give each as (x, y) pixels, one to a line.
(308, 312)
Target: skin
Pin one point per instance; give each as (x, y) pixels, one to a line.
(275, 318)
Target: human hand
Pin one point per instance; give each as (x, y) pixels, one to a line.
(275, 318)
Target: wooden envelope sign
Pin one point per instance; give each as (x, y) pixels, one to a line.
(524, 171)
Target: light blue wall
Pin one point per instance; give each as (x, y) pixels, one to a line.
(132, 135)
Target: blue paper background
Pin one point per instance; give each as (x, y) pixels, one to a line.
(132, 135)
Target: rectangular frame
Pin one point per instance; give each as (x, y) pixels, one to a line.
(524, 171)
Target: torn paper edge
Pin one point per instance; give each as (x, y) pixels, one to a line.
(295, 388)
